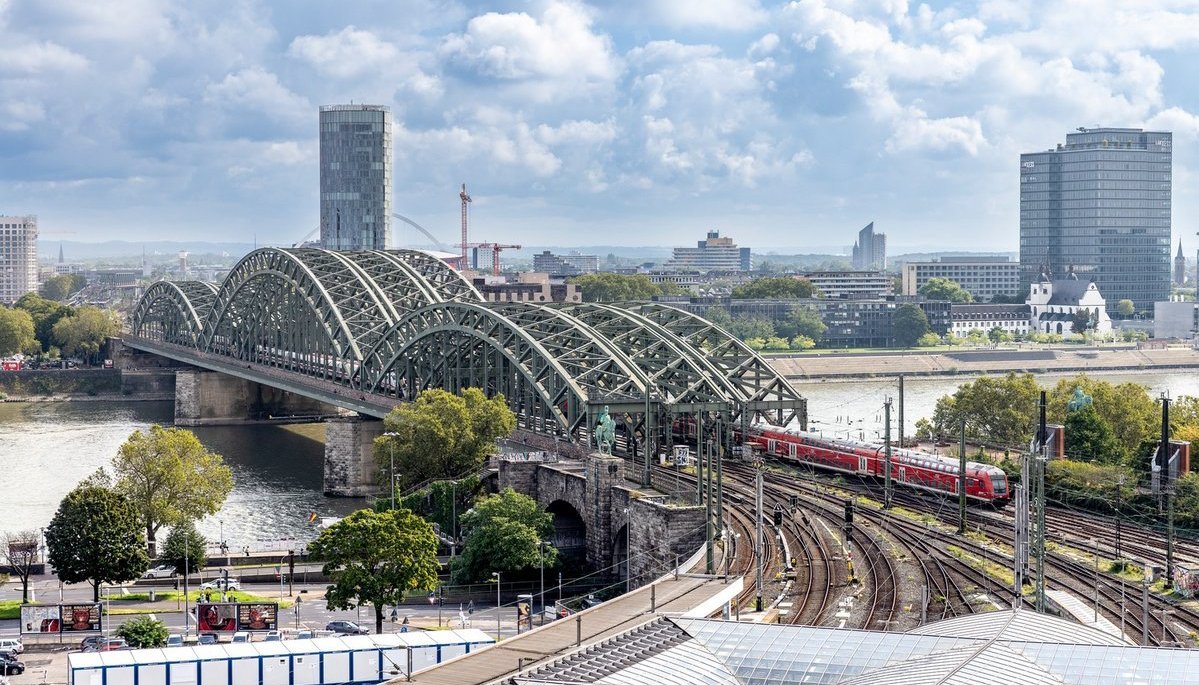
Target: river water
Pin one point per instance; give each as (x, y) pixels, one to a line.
(46, 448)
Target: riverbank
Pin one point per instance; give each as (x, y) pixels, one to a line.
(78, 385)
(978, 362)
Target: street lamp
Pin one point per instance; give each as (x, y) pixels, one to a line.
(628, 553)
(392, 472)
(496, 575)
(541, 552)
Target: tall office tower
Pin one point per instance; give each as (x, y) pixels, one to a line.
(18, 257)
(870, 250)
(1100, 206)
(355, 177)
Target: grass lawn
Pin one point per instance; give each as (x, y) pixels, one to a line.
(10, 609)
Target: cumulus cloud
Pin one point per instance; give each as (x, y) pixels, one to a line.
(348, 52)
(258, 90)
(730, 15)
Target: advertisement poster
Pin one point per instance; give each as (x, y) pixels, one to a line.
(217, 618)
(257, 616)
(40, 619)
(80, 617)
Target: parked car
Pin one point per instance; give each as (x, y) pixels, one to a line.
(11, 645)
(112, 644)
(9, 665)
(346, 628)
(175, 640)
(208, 639)
(241, 636)
(304, 635)
(221, 584)
(272, 636)
(91, 643)
(161, 571)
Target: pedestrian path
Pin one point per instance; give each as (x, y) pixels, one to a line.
(1084, 613)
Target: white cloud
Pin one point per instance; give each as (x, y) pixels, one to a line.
(258, 90)
(346, 53)
(730, 15)
(37, 58)
(516, 46)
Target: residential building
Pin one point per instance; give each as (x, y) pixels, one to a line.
(984, 277)
(355, 177)
(1013, 318)
(870, 250)
(528, 287)
(1180, 267)
(1100, 205)
(18, 257)
(1055, 302)
(711, 254)
(851, 283)
(571, 264)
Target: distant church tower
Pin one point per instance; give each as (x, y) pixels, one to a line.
(1180, 267)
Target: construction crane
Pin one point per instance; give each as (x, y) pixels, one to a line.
(495, 248)
(465, 201)
(440, 245)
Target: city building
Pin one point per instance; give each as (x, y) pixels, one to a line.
(355, 177)
(18, 257)
(851, 283)
(1101, 205)
(571, 264)
(711, 254)
(1054, 303)
(1175, 319)
(528, 287)
(870, 250)
(1013, 318)
(1180, 267)
(984, 277)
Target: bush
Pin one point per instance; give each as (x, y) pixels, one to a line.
(144, 631)
(928, 340)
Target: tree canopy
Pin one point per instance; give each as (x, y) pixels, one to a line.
(84, 332)
(376, 558)
(16, 332)
(185, 549)
(170, 477)
(1090, 438)
(95, 536)
(776, 288)
(45, 314)
(143, 632)
(612, 287)
(441, 435)
(504, 533)
(802, 320)
(909, 324)
(996, 410)
(1125, 308)
(61, 287)
(938, 288)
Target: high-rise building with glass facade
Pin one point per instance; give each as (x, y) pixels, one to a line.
(1100, 206)
(355, 177)
(18, 257)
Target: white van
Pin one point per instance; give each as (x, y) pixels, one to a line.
(10, 645)
(241, 636)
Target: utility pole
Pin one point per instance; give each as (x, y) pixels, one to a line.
(962, 481)
(1119, 504)
(710, 565)
(758, 542)
(699, 458)
(901, 411)
(1167, 487)
(1020, 546)
(716, 454)
(1039, 497)
(887, 447)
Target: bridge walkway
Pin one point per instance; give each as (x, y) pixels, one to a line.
(694, 595)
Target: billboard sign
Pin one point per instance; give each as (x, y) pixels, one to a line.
(36, 618)
(80, 618)
(217, 618)
(257, 616)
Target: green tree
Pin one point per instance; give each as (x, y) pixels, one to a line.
(1080, 321)
(185, 549)
(61, 287)
(998, 335)
(802, 320)
(975, 336)
(1125, 308)
(610, 287)
(95, 537)
(45, 314)
(85, 331)
(929, 339)
(170, 477)
(909, 323)
(749, 326)
(376, 558)
(19, 552)
(945, 289)
(1090, 438)
(143, 632)
(1088, 485)
(1001, 411)
(776, 288)
(719, 316)
(16, 332)
(441, 435)
(1127, 408)
(802, 342)
(504, 533)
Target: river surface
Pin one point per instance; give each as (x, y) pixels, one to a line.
(46, 448)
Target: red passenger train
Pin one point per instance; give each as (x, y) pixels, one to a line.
(909, 468)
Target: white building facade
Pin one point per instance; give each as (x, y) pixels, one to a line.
(1012, 318)
(18, 257)
(1053, 304)
(983, 277)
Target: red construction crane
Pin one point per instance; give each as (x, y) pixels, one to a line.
(465, 201)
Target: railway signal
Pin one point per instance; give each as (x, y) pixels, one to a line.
(778, 516)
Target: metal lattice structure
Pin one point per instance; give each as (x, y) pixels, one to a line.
(384, 325)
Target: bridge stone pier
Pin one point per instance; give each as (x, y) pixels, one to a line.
(617, 514)
(349, 456)
(209, 398)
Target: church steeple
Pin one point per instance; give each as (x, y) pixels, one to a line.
(1180, 267)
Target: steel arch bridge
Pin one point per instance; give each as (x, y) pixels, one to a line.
(366, 330)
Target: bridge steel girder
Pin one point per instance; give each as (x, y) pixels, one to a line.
(174, 311)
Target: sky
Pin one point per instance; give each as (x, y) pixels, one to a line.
(783, 125)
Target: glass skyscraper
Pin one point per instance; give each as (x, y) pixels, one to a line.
(355, 177)
(1100, 206)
